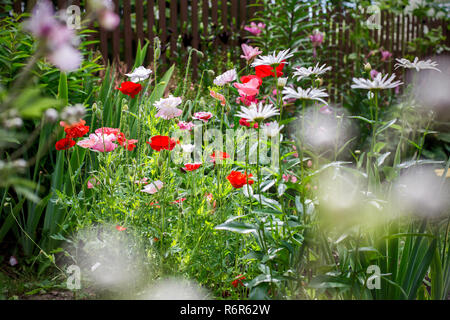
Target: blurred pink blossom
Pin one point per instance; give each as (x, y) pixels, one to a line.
(373, 73)
(66, 58)
(385, 55)
(289, 178)
(42, 21)
(57, 37)
(108, 19)
(316, 39)
(254, 28)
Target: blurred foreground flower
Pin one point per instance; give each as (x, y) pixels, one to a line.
(57, 37)
(416, 64)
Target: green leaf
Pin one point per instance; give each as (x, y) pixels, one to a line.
(236, 226)
(386, 125)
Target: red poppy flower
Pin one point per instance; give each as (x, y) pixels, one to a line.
(220, 155)
(267, 71)
(159, 143)
(245, 79)
(120, 136)
(155, 204)
(191, 166)
(130, 144)
(75, 130)
(64, 144)
(244, 122)
(238, 281)
(130, 88)
(119, 228)
(239, 179)
(179, 200)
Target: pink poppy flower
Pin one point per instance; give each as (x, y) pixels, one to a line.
(185, 125)
(99, 142)
(90, 183)
(225, 78)
(167, 107)
(218, 96)
(119, 228)
(247, 100)
(153, 187)
(203, 116)
(249, 52)
(250, 88)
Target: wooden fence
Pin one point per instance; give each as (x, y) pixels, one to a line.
(185, 21)
(181, 24)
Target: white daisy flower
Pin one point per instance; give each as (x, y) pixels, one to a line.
(416, 64)
(379, 82)
(303, 72)
(272, 59)
(225, 77)
(167, 107)
(139, 74)
(308, 94)
(271, 129)
(257, 112)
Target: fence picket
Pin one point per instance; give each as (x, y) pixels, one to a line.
(223, 24)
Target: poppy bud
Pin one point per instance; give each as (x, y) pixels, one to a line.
(157, 53)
